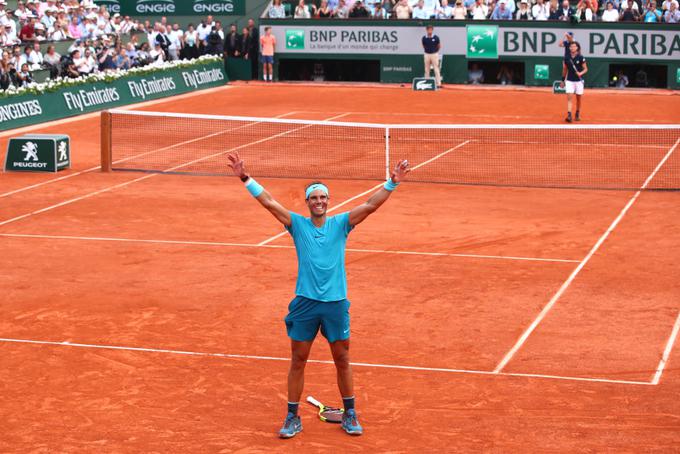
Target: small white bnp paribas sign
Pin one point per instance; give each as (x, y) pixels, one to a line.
(477, 41)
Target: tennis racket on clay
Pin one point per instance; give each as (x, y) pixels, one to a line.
(327, 414)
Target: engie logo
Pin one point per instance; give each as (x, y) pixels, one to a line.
(295, 39)
(213, 6)
(482, 41)
(155, 6)
(113, 6)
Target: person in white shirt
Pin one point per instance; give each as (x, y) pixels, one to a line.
(35, 58)
(666, 5)
(610, 14)
(541, 10)
(302, 11)
(175, 35)
(431, 6)
(419, 11)
(87, 64)
(444, 11)
(459, 11)
(479, 10)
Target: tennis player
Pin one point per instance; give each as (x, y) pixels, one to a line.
(573, 68)
(321, 291)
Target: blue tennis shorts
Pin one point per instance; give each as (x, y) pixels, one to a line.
(268, 59)
(306, 316)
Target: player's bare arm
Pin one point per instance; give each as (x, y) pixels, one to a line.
(358, 214)
(264, 197)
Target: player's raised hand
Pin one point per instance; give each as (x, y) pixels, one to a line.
(400, 171)
(237, 164)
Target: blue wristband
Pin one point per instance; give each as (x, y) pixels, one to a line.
(390, 185)
(254, 187)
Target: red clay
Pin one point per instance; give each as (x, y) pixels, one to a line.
(448, 312)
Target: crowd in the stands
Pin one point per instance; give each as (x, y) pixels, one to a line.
(558, 10)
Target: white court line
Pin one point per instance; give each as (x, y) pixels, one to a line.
(667, 351)
(317, 361)
(508, 356)
(118, 161)
(279, 235)
(271, 246)
(145, 177)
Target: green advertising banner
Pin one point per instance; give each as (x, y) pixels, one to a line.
(22, 110)
(677, 76)
(482, 41)
(175, 7)
(541, 72)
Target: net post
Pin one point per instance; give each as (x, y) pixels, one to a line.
(387, 152)
(105, 141)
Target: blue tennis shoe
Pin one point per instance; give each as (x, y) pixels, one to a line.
(291, 426)
(350, 423)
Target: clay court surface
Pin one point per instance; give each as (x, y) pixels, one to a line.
(143, 312)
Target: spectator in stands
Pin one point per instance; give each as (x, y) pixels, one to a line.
(323, 12)
(10, 27)
(24, 77)
(87, 64)
(15, 58)
(203, 31)
(479, 11)
(652, 14)
(232, 43)
(276, 11)
(302, 11)
(459, 11)
(403, 10)
(190, 49)
(27, 32)
(342, 11)
(666, 5)
(4, 37)
(672, 16)
(40, 33)
(131, 53)
(523, 13)
(566, 12)
(35, 58)
(248, 44)
(501, 12)
(586, 10)
(58, 33)
(359, 10)
(475, 74)
(379, 12)
(163, 40)
(175, 48)
(143, 55)
(624, 5)
(51, 61)
(49, 18)
(431, 7)
(74, 31)
(419, 11)
(630, 14)
(444, 11)
(610, 14)
(122, 60)
(157, 54)
(214, 42)
(255, 53)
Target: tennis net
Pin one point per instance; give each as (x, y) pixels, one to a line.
(554, 156)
